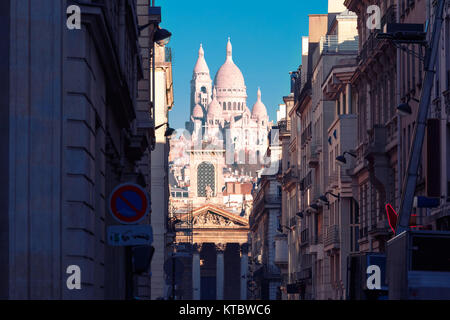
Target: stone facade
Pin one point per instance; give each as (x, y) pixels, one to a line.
(265, 224)
(69, 139)
(160, 168)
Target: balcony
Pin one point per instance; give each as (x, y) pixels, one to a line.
(334, 44)
(284, 126)
(377, 141)
(372, 45)
(380, 229)
(333, 180)
(289, 177)
(136, 146)
(313, 159)
(306, 134)
(307, 180)
(331, 240)
(293, 222)
(304, 237)
(281, 251)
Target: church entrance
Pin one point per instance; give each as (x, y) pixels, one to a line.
(208, 288)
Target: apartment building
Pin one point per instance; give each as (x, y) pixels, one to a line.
(345, 146)
(288, 179)
(318, 273)
(434, 173)
(70, 125)
(439, 131)
(265, 252)
(160, 169)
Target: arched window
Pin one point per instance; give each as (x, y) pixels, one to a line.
(234, 105)
(203, 89)
(229, 105)
(224, 106)
(205, 178)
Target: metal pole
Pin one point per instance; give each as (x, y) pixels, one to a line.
(173, 277)
(409, 185)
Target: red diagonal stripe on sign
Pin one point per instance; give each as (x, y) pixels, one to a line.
(128, 203)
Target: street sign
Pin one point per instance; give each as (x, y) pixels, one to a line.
(426, 202)
(129, 203)
(130, 235)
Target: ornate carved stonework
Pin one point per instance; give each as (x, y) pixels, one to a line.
(220, 247)
(211, 220)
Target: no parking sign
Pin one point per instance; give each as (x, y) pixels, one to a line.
(129, 203)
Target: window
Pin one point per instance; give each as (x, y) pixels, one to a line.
(344, 103)
(354, 226)
(205, 178)
(229, 105)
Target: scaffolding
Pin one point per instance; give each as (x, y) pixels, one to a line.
(182, 226)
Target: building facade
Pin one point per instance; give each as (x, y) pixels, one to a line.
(71, 119)
(266, 240)
(352, 146)
(160, 168)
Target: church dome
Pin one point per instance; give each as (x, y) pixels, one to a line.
(214, 109)
(201, 66)
(198, 111)
(259, 109)
(229, 76)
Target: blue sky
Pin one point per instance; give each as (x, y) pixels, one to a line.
(266, 37)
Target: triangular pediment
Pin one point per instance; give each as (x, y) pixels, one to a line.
(210, 216)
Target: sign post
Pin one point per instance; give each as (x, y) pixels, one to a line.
(129, 204)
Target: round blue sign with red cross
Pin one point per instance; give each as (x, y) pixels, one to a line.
(129, 203)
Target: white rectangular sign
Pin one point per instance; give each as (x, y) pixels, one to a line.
(130, 235)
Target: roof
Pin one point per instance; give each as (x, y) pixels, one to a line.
(229, 75)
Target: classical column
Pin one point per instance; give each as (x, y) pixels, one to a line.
(196, 272)
(220, 271)
(244, 270)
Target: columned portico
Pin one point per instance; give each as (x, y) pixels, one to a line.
(244, 271)
(220, 270)
(219, 256)
(196, 273)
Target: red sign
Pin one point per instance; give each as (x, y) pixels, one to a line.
(393, 217)
(129, 203)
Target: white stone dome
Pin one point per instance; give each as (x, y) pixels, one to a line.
(259, 109)
(229, 75)
(214, 108)
(198, 111)
(201, 66)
